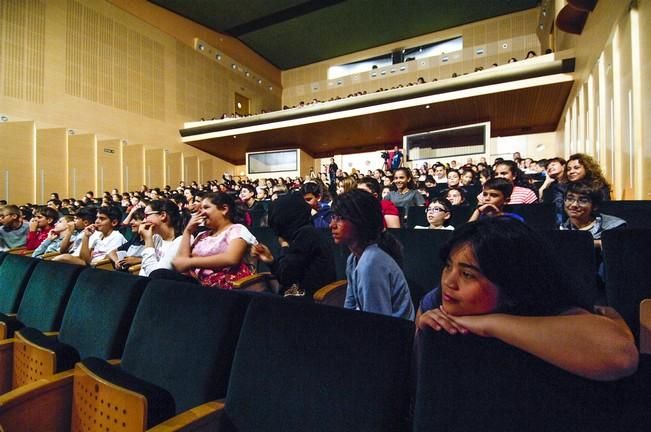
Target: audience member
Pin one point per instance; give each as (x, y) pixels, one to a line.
(438, 214)
(509, 170)
(306, 260)
(313, 194)
(130, 253)
(478, 294)
(581, 167)
(40, 226)
(13, 233)
(376, 282)
(216, 257)
(161, 233)
(390, 212)
(495, 195)
(52, 242)
(405, 194)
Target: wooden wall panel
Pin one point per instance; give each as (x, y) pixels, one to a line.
(51, 163)
(18, 140)
(133, 166)
(82, 164)
(191, 169)
(155, 168)
(206, 170)
(109, 163)
(174, 168)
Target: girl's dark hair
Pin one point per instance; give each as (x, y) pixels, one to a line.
(372, 184)
(236, 213)
(48, 213)
(518, 175)
(138, 214)
(363, 210)
(177, 219)
(411, 184)
(505, 248)
(593, 173)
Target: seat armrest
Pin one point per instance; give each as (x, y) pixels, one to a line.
(44, 405)
(49, 255)
(645, 326)
(259, 282)
(104, 264)
(135, 269)
(333, 291)
(201, 418)
(6, 364)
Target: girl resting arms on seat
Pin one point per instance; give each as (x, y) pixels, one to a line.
(481, 293)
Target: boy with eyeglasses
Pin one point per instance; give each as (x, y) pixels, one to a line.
(438, 213)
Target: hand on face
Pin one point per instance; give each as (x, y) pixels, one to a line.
(89, 230)
(196, 220)
(146, 230)
(33, 224)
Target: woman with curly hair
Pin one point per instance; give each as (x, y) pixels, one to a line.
(581, 167)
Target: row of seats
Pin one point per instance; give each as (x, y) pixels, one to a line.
(625, 254)
(195, 358)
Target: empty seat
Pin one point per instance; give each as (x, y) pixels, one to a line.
(95, 323)
(470, 383)
(637, 214)
(307, 367)
(537, 216)
(44, 299)
(627, 272)
(421, 263)
(576, 255)
(15, 271)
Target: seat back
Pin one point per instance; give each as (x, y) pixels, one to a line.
(537, 216)
(99, 313)
(421, 262)
(267, 237)
(637, 214)
(45, 297)
(308, 367)
(183, 339)
(501, 388)
(627, 272)
(15, 271)
(416, 216)
(576, 255)
(460, 215)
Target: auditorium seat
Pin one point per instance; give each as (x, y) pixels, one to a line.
(44, 299)
(416, 216)
(177, 356)
(421, 262)
(95, 324)
(307, 367)
(627, 272)
(333, 294)
(637, 214)
(460, 215)
(576, 257)
(471, 383)
(15, 272)
(537, 216)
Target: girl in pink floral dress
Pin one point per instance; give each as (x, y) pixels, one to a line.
(218, 256)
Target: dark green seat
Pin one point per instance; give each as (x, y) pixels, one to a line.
(45, 297)
(96, 320)
(637, 214)
(181, 344)
(308, 367)
(421, 263)
(471, 383)
(576, 260)
(627, 272)
(537, 216)
(416, 216)
(15, 271)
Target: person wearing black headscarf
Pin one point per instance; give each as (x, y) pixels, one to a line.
(306, 258)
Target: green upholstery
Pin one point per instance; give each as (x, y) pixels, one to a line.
(627, 272)
(537, 216)
(637, 214)
(2, 256)
(47, 294)
(576, 255)
(267, 237)
(308, 367)
(15, 271)
(99, 313)
(416, 216)
(183, 339)
(470, 383)
(421, 262)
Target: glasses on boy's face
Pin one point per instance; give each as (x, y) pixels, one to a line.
(580, 200)
(435, 210)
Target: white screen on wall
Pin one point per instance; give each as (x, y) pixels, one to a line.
(271, 162)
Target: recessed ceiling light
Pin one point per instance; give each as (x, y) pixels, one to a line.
(426, 106)
(233, 66)
(218, 56)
